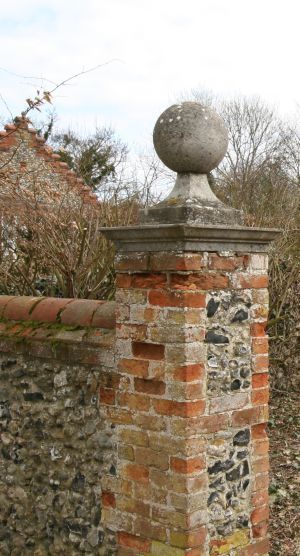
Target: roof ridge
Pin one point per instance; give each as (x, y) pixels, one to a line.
(8, 139)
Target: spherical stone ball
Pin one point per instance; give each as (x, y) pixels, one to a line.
(190, 137)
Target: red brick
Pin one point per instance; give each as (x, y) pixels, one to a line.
(141, 280)
(260, 397)
(260, 345)
(153, 458)
(194, 390)
(134, 401)
(189, 539)
(134, 367)
(123, 280)
(216, 262)
(149, 281)
(133, 506)
(261, 465)
(150, 422)
(180, 409)
(259, 514)
(132, 541)
(260, 363)
(167, 261)
(137, 473)
(260, 380)
(258, 329)
(260, 498)
(107, 396)
(149, 529)
(257, 549)
(132, 262)
(108, 500)
(186, 466)
(260, 530)
(261, 447)
(250, 416)
(176, 299)
(260, 482)
(258, 432)
(189, 373)
(110, 380)
(253, 282)
(119, 416)
(143, 350)
(154, 387)
(134, 438)
(122, 551)
(199, 281)
(212, 423)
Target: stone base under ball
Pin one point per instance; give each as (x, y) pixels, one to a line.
(196, 213)
(192, 201)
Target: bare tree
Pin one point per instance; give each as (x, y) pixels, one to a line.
(261, 174)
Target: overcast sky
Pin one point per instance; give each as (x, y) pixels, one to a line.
(160, 48)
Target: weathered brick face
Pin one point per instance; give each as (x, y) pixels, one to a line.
(193, 453)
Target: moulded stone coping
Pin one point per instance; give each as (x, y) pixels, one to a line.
(77, 312)
(190, 237)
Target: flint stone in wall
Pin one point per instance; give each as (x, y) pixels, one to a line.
(212, 307)
(212, 338)
(54, 448)
(242, 438)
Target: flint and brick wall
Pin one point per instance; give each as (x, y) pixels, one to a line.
(146, 436)
(192, 473)
(56, 440)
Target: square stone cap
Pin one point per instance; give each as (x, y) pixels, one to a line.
(190, 237)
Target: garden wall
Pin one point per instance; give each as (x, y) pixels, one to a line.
(56, 440)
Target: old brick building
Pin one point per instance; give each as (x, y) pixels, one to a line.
(26, 160)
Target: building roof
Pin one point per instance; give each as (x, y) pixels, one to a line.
(20, 131)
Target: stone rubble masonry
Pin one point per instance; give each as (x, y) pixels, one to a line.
(56, 441)
(24, 154)
(191, 405)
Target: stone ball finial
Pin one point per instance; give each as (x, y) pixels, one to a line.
(190, 138)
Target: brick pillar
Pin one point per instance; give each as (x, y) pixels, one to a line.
(192, 402)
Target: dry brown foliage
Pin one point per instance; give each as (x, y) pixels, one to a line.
(285, 477)
(261, 174)
(51, 244)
